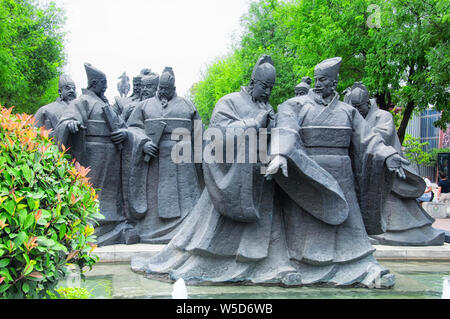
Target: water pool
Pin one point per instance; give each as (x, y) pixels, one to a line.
(414, 280)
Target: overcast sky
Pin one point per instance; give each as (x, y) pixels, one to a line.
(129, 35)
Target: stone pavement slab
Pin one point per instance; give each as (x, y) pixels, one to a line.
(442, 224)
(123, 253)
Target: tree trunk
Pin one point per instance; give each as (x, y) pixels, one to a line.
(406, 117)
(381, 101)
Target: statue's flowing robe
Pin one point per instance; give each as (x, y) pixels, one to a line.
(49, 115)
(304, 229)
(407, 223)
(162, 192)
(337, 138)
(92, 147)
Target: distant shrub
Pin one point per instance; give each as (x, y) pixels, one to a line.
(413, 150)
(434, 155)
(47, 210)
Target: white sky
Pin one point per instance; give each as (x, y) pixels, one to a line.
(129, 35)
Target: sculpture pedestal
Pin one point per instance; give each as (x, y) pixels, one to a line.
(435, 210)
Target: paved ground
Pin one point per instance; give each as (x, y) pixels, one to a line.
(123, 253)
(442, 224)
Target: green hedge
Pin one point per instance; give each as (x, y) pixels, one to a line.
(47, 210)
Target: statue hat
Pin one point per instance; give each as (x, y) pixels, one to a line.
(358, 94)
(152, 78)
(167, 76)
(303, 85)
(307, 80)
(146, 71)
(65, 79)
(93, 73)
(137, 78)
(264, 70)
(328, 67)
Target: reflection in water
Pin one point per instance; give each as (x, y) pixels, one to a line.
(420, 280)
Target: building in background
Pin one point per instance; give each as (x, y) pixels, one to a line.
(421, 126)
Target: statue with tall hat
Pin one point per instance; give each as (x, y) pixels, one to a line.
(329, 138)
(407, 223)
(98, 138)
(172, 187)
(150, 83)
(224, 229)
(48, 115)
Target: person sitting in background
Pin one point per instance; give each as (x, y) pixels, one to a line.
(428, 194)
(443, 188)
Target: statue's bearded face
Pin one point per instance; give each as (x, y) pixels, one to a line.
(324, 85)
(261, 91)
(137, 86)
(359, 99)
(363, 108)
(148, 90)
(67, 92)
(166, 91)
(99, 86)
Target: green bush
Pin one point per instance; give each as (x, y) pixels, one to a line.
(71, 293)
(47, 209)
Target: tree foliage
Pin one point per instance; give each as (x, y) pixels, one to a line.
(71, 293)
(31, 53)
(223, 77)
(397, 48)
(434, 152)
(413, 150)
(409, 66)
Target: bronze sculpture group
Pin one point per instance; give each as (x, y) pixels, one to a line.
(333, 176)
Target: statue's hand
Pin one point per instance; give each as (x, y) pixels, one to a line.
(261, 119)
(151, 149)
(73, 126)
(118, 136)
(394, 164)
(271, 123)
(275, 164)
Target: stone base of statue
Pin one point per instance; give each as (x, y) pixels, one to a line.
(375, 276)
(424, 236)
(117, 233)
(436, 210)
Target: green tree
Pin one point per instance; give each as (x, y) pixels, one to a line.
(413, 150)
(434, 152)
(408, 62)
(31, 53)
(222, 77)
(396, 48)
